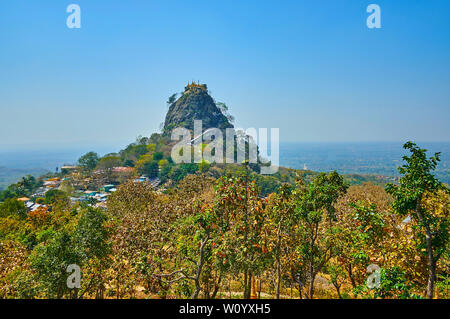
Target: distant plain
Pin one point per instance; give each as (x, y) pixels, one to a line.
(378, 158)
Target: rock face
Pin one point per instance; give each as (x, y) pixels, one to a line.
(195, 104)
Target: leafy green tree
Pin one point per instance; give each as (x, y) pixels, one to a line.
(158, 156)
(418, 181)
(150, 169)
(90, 234)
(28, 184)
(204, 166)
(394, 284)
(142, 140)
(24, 188)
(337, 276)
(89, 160)
(180, 171)
(316, 211)
(357, 242)
(108, 162)
(172, 99)
(128, 163)
(50, 264)
(133, 151)
(194, 236)
(164, 173)
(363, 222)
(281, 220)
(13, 207)
(55, 195)
(87, 242)
(241, 219)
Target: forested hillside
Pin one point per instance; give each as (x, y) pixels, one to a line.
(216, 235)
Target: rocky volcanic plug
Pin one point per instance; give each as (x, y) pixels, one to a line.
(195, 104)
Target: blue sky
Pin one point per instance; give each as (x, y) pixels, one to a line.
(311, 68)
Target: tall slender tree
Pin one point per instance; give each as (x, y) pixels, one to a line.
(418, 181)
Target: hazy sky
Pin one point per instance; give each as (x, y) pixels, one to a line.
(311, 68)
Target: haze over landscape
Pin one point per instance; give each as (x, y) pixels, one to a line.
(380, 158)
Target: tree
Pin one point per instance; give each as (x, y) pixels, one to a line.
(418, 181)
(106, 166)
(172, 99)
(194, 249)
(142, 140)
(25, 187)
(90, 234)
(132, 152)
(180, 171)
(363, 206)
(88, 161)
(50, 263)
(86, 242)
(108, 162)
(281, 220)
(394, 284)
(91, 240)
(337, 275)
(128, 163)
(55, 195)
(357, 243)
(240, 216)
(204, 166)
(224, 109)
(150, 169)
(314, 203)
(149, 233)
(13, 207)
(28, 184)
(14, 263)
(158, 156)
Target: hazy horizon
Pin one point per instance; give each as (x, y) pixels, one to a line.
(112, 148)
(24, 157)
(376, 158)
